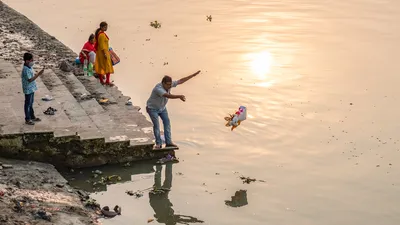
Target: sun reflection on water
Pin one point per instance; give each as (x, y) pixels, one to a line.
(261, 63)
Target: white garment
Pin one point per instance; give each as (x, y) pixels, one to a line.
(92, 57)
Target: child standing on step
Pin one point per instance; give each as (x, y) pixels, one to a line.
(29, 87)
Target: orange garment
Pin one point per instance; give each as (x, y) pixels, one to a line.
(103, 62)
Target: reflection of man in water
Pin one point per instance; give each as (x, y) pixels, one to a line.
(160, 203)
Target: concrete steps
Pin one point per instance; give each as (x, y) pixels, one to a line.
(82, 132)
(14, 103)
(75, 111)
(118, 122)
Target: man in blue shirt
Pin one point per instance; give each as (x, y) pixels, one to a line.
(29, 87)
(156, 107)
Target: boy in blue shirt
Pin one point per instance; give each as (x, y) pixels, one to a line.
(29, 87)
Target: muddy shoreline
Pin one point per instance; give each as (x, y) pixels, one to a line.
(18, 34)
(36, 193)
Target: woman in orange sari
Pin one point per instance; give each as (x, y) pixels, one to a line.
(103, 65)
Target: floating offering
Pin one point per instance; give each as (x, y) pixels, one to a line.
(234, 120)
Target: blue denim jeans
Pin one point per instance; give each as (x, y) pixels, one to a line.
(163, 113)
(28, 107)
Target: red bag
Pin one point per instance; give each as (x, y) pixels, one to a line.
(114, 57)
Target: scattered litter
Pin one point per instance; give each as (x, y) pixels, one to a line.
(103, 100)
(129, 102)
(91, 203)
(150, 220)
(234, 120)
(108, 180)
(47, 98)
(41, 214)
(148, 39)
(17, 205)
(209, 18)
(238, 200)
(165, 63)
(155, 24)
(175, 35)
(216, 173)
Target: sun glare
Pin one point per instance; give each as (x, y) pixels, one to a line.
(261, 63)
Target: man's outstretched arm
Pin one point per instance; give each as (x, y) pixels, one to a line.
(183, 80)
(171, 96)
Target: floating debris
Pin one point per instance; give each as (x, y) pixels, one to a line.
(155, 24)
(137, 194)
(159, 191)
(238, 200)
(107, 213)
(97, 172)
(108, 180)
(148, 39)
(165, 63)
(209, 18)
(247, 180)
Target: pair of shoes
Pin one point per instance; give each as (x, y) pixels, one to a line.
(29, 122)
(50, 111)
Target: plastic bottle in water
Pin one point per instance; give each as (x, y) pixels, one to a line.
(85, 65)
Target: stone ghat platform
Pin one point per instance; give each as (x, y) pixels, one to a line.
(82, 133)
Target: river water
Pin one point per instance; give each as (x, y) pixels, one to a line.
(319, 79)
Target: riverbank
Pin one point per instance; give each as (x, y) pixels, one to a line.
(35, 193)
(93, 124)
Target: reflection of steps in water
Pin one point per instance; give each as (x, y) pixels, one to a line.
(238, 200)
(85, 178)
